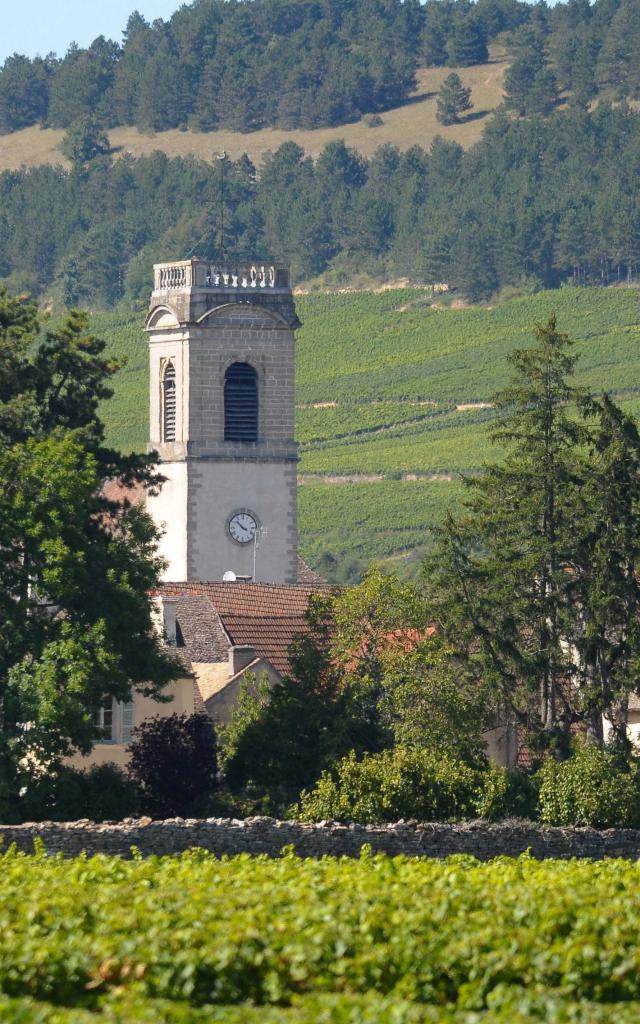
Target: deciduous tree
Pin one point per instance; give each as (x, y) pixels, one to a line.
(75, 621)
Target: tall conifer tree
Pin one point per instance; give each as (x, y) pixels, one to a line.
(499, 579)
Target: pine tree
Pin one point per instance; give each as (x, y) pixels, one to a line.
(79, 84)
(530, 85)
(84, 140)
(24, 92)
(538, 583)
(453, 99)
(604, 588)
(436, 30)
(498, 581)
(467, 43)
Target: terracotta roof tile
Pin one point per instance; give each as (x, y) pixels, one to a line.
(115, 490)
(269, 635)
(214, 616)
(254, 599)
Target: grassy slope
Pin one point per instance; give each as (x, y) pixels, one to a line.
(397, 370)
(412, 124)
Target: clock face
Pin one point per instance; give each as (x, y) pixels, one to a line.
(242, 527)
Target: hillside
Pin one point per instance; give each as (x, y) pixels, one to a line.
(412, 124)
(390, 403)
(540, 203)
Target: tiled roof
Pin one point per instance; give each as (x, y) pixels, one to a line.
(269, 635)
(214, 616)
(181, 656)
(308, 576)
(201, 631)
(115, 490)
(253, 599)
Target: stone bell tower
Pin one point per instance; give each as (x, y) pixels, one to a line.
(222, 413)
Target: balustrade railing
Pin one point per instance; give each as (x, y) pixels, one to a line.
(252, 276)
(172, 277)
(224, 276)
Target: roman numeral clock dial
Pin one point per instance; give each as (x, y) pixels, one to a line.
(242, 527)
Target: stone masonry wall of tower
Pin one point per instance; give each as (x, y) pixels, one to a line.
(227, 505)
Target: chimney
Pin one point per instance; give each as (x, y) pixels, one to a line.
(164, 614)
(240, 655)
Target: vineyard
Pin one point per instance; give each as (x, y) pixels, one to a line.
(393, 391)
(194, 939)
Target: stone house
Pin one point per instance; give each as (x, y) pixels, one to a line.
(221, 632)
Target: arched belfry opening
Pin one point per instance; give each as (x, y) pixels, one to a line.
(241, 403)
(169, 402)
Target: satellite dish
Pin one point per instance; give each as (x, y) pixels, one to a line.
(229, 576)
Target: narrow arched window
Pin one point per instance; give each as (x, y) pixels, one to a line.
(241, 403)
(169, 403)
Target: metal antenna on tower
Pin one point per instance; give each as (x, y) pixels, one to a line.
(257, 537)
(222, 157)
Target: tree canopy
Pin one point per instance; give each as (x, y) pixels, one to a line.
(76, 567)
(306, 63)
(536, 583)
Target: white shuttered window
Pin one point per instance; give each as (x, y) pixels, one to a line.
(116, 722)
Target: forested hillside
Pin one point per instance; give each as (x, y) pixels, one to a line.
(548, 194)
(252, 63)
(536, 201)
(409, 124)
(303, 63)
(392, 395)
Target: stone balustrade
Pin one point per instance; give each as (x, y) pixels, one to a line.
(169, 277)
(220, 276)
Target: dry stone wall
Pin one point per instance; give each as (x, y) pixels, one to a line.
(262, 835)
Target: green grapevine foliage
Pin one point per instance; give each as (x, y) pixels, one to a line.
(194, 939)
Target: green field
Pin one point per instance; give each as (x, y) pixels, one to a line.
(366, 941)
(380, 380)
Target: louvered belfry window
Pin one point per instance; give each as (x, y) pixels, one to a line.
(169, 403)
(241, 403)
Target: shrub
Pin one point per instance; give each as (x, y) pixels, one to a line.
(507, 793)
(173, 761)
(398, 783)
(101, 793)
(84, 140)
(373, 121)
(594, 787)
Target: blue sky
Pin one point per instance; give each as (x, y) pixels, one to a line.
(40, 26)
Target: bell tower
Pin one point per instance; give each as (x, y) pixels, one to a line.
(222, 415)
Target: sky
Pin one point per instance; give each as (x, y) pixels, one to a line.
(42, 26)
